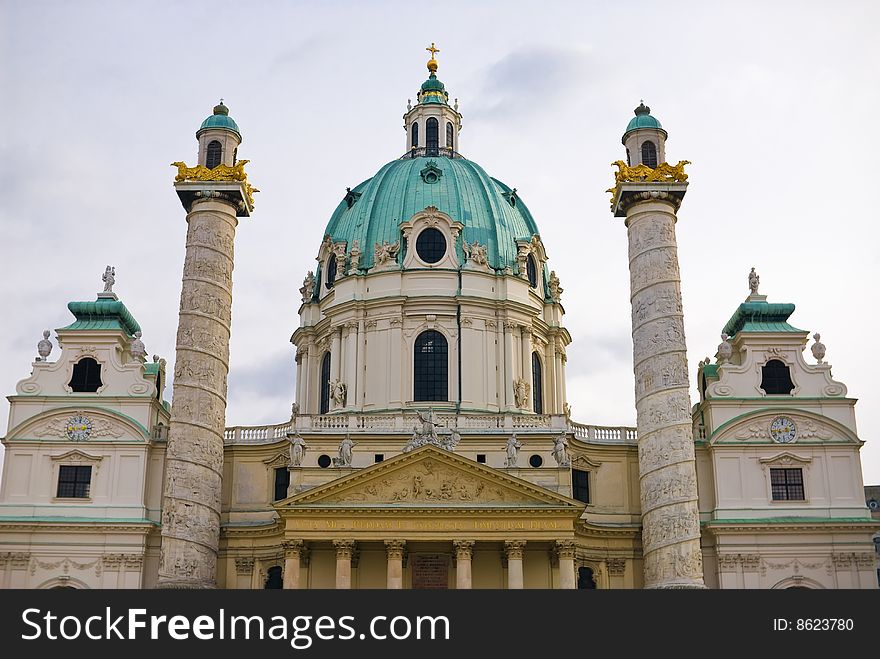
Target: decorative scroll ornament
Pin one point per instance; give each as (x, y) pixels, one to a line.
(138, 349)
(219, 173)
(662, 173)
(308, 287)
(475, 252)
(385, 252)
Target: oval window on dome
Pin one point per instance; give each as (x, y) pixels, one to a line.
(431, 245)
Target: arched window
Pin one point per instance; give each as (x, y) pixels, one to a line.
(331, 270)
(776, 378)
(585, 579)
(532, 271)
(86, 376)
(537, 385)
(215, 153)
(432, 137)
(450, 135)
(430, 367)
(628, 161)
(415, 134)
(274, 579)
(649, 154)
(325, 383)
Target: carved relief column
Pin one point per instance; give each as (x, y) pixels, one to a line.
(292, 552)
(509, 370)
(526, 344)
(394, 550)
(350, 361)
(667, 473)
(464, 550)
(344, 552)
(514, 551)
(194, 455)
(565, 552)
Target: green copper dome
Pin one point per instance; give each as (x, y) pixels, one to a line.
(643, 119)
(220, 119)
(490, 211)
(433, 91)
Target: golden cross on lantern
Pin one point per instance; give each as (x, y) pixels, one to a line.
(433, 50)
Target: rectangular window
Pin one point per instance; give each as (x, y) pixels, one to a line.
(282, 482)
(580, 485)
(787, 484)
(378, 457)
(481, 458)
(74, 482)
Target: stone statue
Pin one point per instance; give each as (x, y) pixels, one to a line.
(566, 409)
(109, 278)
(725, 350)
(307, 287)
(560, 451)
(475, 252)
(44, 347)
(408, 104)
(345, 447)
(338, 392)
(555, 288)
(298, 450)
(385, 253)
(454, 436)
(427, 434)
(754, 281)
(355, 256)
(818, 349)
(521, 392)
(138, 350)
(513, 445)
(294, 412)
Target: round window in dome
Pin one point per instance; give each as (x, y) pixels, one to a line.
(431, 245)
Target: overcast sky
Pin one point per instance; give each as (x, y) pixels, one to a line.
(771, 101)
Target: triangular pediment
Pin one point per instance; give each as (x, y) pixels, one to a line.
(430, 476)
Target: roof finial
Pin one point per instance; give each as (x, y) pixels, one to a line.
(432, 63)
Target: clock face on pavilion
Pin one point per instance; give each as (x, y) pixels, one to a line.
(79, 428)
(783, 430)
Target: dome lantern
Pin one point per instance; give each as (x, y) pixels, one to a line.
(432, 125)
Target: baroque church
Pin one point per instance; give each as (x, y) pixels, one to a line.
(430, 443)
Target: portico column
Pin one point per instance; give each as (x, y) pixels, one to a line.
(565, 551)
(292, 549)
(394, 549)
(526, 344)
(311, 386)
(464, 550)
(344, 551)
(514, 551)
(549, 373)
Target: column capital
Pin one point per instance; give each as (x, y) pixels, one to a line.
(344, 548)
(292, 548)
(514, 548)
(565, 549)
(244, 565)
(526, 330)
(615, 566)
(463, 548)
(395, 548)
